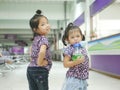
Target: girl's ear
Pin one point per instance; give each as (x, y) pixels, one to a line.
(66, 41)
(34, 29)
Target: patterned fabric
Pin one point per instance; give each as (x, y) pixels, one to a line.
(79, 71)
(38, 41)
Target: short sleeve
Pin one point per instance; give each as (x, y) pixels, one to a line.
(68, 51)
(43, 41)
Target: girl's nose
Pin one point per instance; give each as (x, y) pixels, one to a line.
(48, 25)
(75, 39)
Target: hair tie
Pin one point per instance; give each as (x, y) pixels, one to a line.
(38, 12)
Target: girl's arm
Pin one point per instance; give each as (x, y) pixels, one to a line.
(41, 61)
(67, 63)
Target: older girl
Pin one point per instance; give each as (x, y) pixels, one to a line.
(40, 64)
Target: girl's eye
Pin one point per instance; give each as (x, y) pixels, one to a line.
(42, 24)
(72, 37)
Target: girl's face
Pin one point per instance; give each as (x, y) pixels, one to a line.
(43, 27)
(74, 36)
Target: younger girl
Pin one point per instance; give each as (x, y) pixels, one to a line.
(78, 69)
(40, 64)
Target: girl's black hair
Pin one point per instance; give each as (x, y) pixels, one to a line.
(34, 21)
(70, 26)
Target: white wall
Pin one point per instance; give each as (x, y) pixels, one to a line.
(108, 21)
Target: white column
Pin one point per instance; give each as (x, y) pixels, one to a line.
(87, 25)
(87, 20)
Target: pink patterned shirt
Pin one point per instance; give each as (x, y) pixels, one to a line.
(79, 71)
(38, 41)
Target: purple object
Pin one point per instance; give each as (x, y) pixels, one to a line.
(106, 63)
(79, 20)
(10, 36)
(18, 50)
(99, 5)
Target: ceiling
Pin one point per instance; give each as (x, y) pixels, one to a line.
(15, 16)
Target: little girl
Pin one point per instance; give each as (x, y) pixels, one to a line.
(40, 63)
(78, 69)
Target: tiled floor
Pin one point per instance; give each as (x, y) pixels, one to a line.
(16, 79)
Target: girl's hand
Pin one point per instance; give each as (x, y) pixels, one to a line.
(45, 63)
(67, 62)
(80, 59)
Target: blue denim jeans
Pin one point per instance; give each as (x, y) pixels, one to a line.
(37, 78)
(72, 83)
